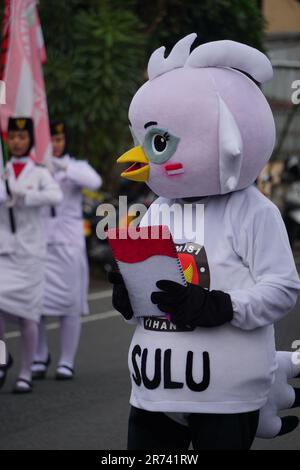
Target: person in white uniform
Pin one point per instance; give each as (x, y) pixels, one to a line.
(28, 187)
(67, 268)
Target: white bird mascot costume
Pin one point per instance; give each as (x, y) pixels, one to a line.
(203, 131)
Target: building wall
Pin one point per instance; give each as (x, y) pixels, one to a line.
(282, 16)
(282, 43)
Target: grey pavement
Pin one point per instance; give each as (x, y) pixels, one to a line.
(91, 412)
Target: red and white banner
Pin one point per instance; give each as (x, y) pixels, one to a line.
(22, 58)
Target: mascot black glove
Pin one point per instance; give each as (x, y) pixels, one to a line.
(192, 305)
(120, 298)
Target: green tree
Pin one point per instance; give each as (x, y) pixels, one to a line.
(166, 21)
(91, 83)
(98, 52)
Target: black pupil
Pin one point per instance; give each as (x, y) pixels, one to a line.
(160, 143)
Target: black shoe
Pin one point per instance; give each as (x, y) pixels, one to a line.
(5, 368)
(41, 374)
(296, 403)
(288, 424)
(19, 389)
(64, 376)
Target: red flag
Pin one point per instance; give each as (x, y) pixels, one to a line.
(5, 37)
(22, 59)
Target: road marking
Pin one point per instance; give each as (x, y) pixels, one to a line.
(86, 319)
(100, 316)
(100, 295)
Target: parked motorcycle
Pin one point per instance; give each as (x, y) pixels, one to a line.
(291, 211)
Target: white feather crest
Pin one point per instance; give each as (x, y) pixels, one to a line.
(178, 56)
(224, 53)
(234, 55)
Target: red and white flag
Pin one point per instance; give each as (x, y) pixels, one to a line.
(23, 54)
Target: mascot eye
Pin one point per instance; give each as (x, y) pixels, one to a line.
(160, 142)
(159, 145)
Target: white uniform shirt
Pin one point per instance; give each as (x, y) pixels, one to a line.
(39, 189)
(67, 226)
(23, 253)
(228, 369)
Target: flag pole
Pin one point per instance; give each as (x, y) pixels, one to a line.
(11, 214)
(4, 44)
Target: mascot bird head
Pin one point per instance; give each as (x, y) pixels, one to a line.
(200, 125)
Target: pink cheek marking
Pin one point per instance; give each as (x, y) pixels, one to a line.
(174, 169)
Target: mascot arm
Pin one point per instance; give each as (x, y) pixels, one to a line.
(265, 249)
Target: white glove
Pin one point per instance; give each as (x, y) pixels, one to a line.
(18, 192)
(11, 201)
(58, 164)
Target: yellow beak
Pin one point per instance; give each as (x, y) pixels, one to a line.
(139, 170)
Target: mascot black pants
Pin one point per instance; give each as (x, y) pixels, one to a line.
(156, 431)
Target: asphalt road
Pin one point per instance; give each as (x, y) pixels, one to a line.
(91, 412)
